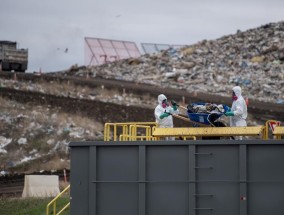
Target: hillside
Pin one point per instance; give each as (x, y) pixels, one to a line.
(41, 114)
(252, 59)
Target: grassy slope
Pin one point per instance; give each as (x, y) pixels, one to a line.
(30, 206)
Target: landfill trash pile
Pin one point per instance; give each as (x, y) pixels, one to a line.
(41, 135)
(206, 108)
(252, 59)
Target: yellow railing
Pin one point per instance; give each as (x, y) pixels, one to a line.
(278, 132)
(133, 132)
(53, 201)
(128, 131)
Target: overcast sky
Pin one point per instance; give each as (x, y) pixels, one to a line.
(48, 27)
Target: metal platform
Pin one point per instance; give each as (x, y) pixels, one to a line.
(209, 131)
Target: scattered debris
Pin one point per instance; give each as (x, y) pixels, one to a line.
(251, 59)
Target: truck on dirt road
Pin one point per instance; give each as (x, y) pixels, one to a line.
(12, 58)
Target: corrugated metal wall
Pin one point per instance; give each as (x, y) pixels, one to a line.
(180, 177)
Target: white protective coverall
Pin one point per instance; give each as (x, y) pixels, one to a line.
(239, 107)
(166, 122)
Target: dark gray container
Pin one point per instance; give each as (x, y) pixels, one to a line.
(178, 178)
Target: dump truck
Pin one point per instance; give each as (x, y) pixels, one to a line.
(12, 58)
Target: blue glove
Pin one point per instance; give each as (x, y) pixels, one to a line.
(229, 113)
(164, 115)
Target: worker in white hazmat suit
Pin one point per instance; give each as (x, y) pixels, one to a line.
(163, 113)
(238, 112)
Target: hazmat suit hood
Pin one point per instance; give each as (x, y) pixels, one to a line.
(161, 97)
(238, 91)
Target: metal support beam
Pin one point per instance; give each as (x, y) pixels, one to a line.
(142, 177)
(243, 179)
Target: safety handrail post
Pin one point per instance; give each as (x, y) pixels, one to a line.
(153, 129)
(125, 132)
(105, 132)
(114, 133)
(264, 133)
(132, 132)
(147, 133)
(53, 201)
(135, 132)
(266, 130)
(122, 135)
(54, 208)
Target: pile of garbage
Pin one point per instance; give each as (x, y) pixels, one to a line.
(206, 108)
(32, 132)
(253, 59)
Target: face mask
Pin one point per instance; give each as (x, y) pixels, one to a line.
(164, 103)
(234, 97)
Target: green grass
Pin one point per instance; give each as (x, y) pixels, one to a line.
(31, 206)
